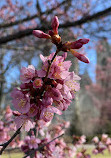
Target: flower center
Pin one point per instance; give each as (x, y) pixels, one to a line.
(22, 103)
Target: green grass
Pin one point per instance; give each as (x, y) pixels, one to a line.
(89, 151)
(12, 155)
(105, 155)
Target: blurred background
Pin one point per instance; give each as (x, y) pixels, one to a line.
(90, 113)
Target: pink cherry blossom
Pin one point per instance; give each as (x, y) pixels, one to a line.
(20, 101)
(33, 143)
(25, 122)
(27, 74)
(104, 137)
(79, 155)
(47, 113)
(37, 83)
(95, 139)
(33, 110)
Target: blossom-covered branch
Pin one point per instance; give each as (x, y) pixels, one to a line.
(4, 145)
(31, 152)
(48, 90)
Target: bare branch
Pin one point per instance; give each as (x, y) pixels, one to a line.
(28, 18)
(28, 32)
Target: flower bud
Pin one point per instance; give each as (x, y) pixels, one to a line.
(81, 57)
(51, 33)
(83, 40)
(40, 34)
(55, 24)
(76, 45)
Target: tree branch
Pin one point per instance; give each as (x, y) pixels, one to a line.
(28, 18)
(28, 32)
(41, 147)
(10, 140)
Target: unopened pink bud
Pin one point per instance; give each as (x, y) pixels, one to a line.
(55, 24)
(40, 34)
(76, 45)
(51, 33)
(83, 40)
(79, 43)
(81, 57)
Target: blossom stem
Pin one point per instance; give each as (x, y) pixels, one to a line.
(9, 141)
(48, 69)
(50, 62)
(31, 152)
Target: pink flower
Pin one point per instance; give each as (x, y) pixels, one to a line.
(33, 143)
(54, 93)
(27, 74)
(82, 139)
(59, 68)
(33, 110)
(47, 113)
(71, 83)
(104, 138)
(95, 151)
(30, 143)
(20, 101)
(108, 142)
(25, 122)
(79, 155)
(8, 114)
(46, 101)
(3, 135)
(95, 139)
(37, 83)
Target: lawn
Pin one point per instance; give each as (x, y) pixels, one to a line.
(20, 155)
(12, 155)
(105, 155)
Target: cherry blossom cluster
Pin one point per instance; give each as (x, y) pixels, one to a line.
(56, 148)
(101, 145)
(78, 142)
(51, 89)
(38, 98)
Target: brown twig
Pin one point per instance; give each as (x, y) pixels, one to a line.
(48, 69)
(9, 141)
(41, 147)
